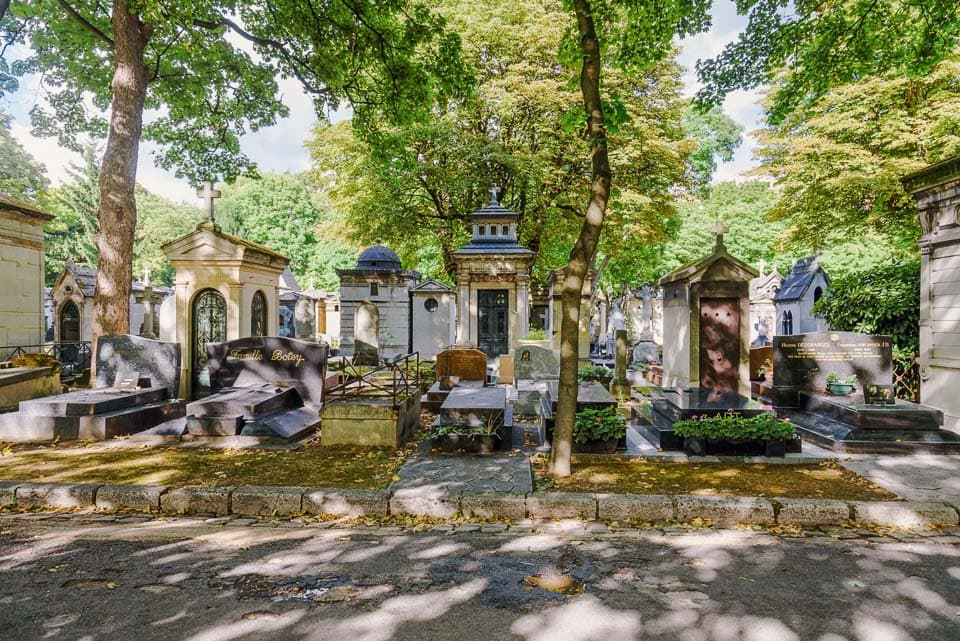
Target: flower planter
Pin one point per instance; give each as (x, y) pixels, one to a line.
(608, 446)
(840, 389)
(468, 443)
(773, 448)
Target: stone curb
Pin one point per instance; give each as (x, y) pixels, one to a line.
(255, 501)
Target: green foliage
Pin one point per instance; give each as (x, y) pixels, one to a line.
(731, 425)
(717, 136)
(884, 300)
(536, 334)
(818, 45)
(838, 162)
(21, 177)
(834, 379)
(460, 429)
(594, 373)
(283, 212)
(598, 425)
(158, 222)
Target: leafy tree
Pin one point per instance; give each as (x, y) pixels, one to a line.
(283, 212)
(717, 136)
(815, 46)
(838, 162)
(126, 57)
(158, 222)
(21, 177)
(882, 300)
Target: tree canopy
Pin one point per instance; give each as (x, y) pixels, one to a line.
(21, 176)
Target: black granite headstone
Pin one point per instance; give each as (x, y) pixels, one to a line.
(804, 361)
(157, 362)
(269, 359)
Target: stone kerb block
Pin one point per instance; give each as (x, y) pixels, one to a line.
(630, 507)
(348, 503)
(905, 515)
(562, 505)
(266, 501)
(197, 499)
(725, 510)
(426, 501)
(494, 506)
(56, 495)
(145, 498)
(812, 512)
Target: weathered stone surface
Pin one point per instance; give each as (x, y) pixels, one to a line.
(425, 501)
(905, 515)
(493, 505)
(197, 499)
(561, 505)
(56, 494)
(633, 507)
(133, 497)
(350, 503)
(725, 510)
(810, 512)
(8, 492)
(266, 501)
(467, 363)
(157, 361)
(532, 362)
(370, 422)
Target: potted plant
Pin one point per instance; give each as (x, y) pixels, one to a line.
(595, 373)
(731, 433)
(474, 438)
(841, 387)
(596, 431)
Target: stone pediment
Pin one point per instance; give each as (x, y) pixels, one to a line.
(719, 265)
(208, 244)
(431, 285)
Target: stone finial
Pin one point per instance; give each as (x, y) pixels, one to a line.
(208, 193)
(494, 190)
(146, 277)
(719, 229)
(762, 265)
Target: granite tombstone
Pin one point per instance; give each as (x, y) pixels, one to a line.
(158, 362)
(532, 362)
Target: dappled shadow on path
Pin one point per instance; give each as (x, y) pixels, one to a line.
(163, 581)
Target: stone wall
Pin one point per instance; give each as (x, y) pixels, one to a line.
(21, 272)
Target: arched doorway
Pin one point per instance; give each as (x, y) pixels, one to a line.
(69, 323)
(258, 315)
(208, 324)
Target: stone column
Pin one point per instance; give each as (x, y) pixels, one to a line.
(148, 311)
(602, 310)
(523, 306)
(463, 310)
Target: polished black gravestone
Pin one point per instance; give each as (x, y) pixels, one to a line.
(846, 423)
(671, 405)
(106, 411)
(269, 388)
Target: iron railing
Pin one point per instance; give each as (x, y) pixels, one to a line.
(74, 357)
(395, 379)
(906, 377)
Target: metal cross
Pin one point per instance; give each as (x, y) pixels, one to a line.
(494, 190)
(208, 193)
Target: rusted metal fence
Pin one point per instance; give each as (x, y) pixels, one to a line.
(396, 379)
(906, 377)
(74, 357)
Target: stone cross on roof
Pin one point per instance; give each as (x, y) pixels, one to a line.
(494, 190)
(208, 193)
(719, 229)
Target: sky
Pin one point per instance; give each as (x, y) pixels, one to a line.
(280, 147)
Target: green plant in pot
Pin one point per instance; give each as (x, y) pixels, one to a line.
(595, 373)
(598, 430)
(839, 386)
(732, 433)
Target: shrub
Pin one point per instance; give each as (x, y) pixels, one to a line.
(594, 373)
(536, 335)
(598, 425)
(731, 425)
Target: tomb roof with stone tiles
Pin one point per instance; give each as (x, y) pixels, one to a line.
(85, 277)
(502, 244)
(695, 269)
(765, 285)
(799, 278)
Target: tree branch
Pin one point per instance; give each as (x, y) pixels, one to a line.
(86, 24)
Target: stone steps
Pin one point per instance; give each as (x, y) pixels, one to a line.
(90, 402)
(130, 420)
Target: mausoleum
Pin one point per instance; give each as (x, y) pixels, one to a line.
(763, 311)
(493, 282)
(21, 272)
(803, 286)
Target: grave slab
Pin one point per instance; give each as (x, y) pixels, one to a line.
(156, 361)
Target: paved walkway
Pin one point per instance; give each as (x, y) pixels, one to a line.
(508, 472)
(917, 477)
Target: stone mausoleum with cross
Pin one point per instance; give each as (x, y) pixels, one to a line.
(493, 281)
(225, 288)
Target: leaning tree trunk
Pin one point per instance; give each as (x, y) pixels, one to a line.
(117, 210)
(586, 246)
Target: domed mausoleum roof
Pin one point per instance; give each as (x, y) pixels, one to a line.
(378, 258)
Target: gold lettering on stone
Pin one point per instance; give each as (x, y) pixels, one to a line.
(242, 355)
(280, 355)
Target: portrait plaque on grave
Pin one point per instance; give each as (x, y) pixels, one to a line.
(269, 359)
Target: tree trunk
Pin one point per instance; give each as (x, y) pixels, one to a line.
(586, 246)
(117, 210)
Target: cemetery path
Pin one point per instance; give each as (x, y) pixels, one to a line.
(110, 578)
